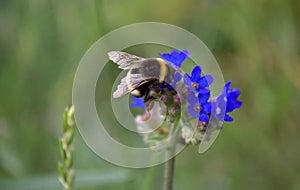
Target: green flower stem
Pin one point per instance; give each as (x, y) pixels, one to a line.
(169, 171)
(170, 164)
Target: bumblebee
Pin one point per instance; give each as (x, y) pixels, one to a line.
(145, 76)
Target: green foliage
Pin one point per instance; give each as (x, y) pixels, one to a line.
(84, 180)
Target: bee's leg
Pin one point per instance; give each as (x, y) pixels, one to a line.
(148, 100)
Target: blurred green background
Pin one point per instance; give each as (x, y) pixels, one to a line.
(256, 44)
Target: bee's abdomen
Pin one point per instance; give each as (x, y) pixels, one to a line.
(170, 74)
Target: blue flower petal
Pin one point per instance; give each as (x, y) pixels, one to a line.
(206, 107)
(203, 117)
(238, 104)
(229, 98)
(228, 118)
(229, 107)
(205, 81)
(202, 98)
(137, 102)
(195, 75)
(192, 98)
(186, 53)
(217, 111)
(233, 93)
(209, 79)
(176, 58)
(187, 79)
(202, 82)
(189, 84)
(192, 111)
(177, 77)
(227, 85)
(203, 91)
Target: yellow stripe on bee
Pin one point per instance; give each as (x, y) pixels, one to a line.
(163, 69)
(136, 93)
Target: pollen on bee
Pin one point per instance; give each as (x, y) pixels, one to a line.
(136, 93)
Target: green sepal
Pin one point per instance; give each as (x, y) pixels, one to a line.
(62, 150)
(69, 161)
(65, 120)
(61, 171)
(69, 135)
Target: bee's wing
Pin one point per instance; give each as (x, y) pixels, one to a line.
(122, 88)
(130, 82)
(125, 60)
(137, 80)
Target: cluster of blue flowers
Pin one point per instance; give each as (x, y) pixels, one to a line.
(201, 105)
(198, 94)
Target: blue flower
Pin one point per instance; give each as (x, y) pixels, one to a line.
(196, 82)
(177, 77)
(199, 106)
(227, 99)
(137, 102)
(176, 58)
